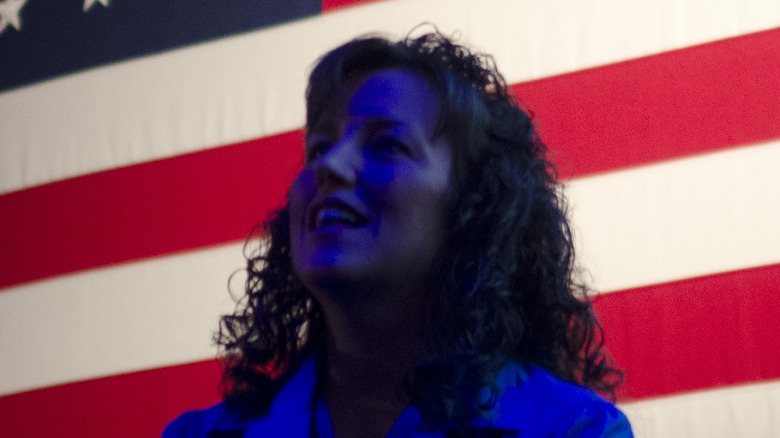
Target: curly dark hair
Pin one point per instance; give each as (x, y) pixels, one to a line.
(506, 287)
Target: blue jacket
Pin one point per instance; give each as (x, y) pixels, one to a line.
(532, 403)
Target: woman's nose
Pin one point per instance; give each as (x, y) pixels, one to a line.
(337, 165)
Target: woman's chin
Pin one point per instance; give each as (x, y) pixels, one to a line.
(332, 274)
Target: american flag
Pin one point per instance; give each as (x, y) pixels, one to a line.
(140, 140)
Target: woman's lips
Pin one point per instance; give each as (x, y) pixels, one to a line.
(334, 211)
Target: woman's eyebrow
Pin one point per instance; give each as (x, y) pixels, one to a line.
(386, 121)
(327, 126)
(383, 122)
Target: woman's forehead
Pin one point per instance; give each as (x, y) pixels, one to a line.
(394, 95)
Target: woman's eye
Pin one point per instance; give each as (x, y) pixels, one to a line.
(316, 149)
(389, 145)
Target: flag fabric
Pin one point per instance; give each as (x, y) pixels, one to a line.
(141, 140)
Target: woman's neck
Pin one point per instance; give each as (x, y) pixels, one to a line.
(369, 354)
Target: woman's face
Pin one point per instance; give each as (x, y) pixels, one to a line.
(368, 211)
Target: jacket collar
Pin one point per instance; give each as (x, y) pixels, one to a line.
(290, 413)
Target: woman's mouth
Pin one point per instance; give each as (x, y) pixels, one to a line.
(336, 212)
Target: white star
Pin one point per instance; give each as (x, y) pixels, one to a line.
(88, 3)
(9, 14)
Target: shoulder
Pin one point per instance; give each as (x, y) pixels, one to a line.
(288, 412)
(538, 403)
(214, 421)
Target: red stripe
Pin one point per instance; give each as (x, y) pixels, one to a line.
(661, 107)
(329, 5)
(681, 336)
(679, 103)
(699, 333)
(131, 405)
(195, 200)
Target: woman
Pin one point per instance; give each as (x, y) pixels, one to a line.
(420, 279)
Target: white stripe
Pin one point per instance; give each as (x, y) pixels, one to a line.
(687, 218)
(251, 85)
(745, 411)
(125, 318)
